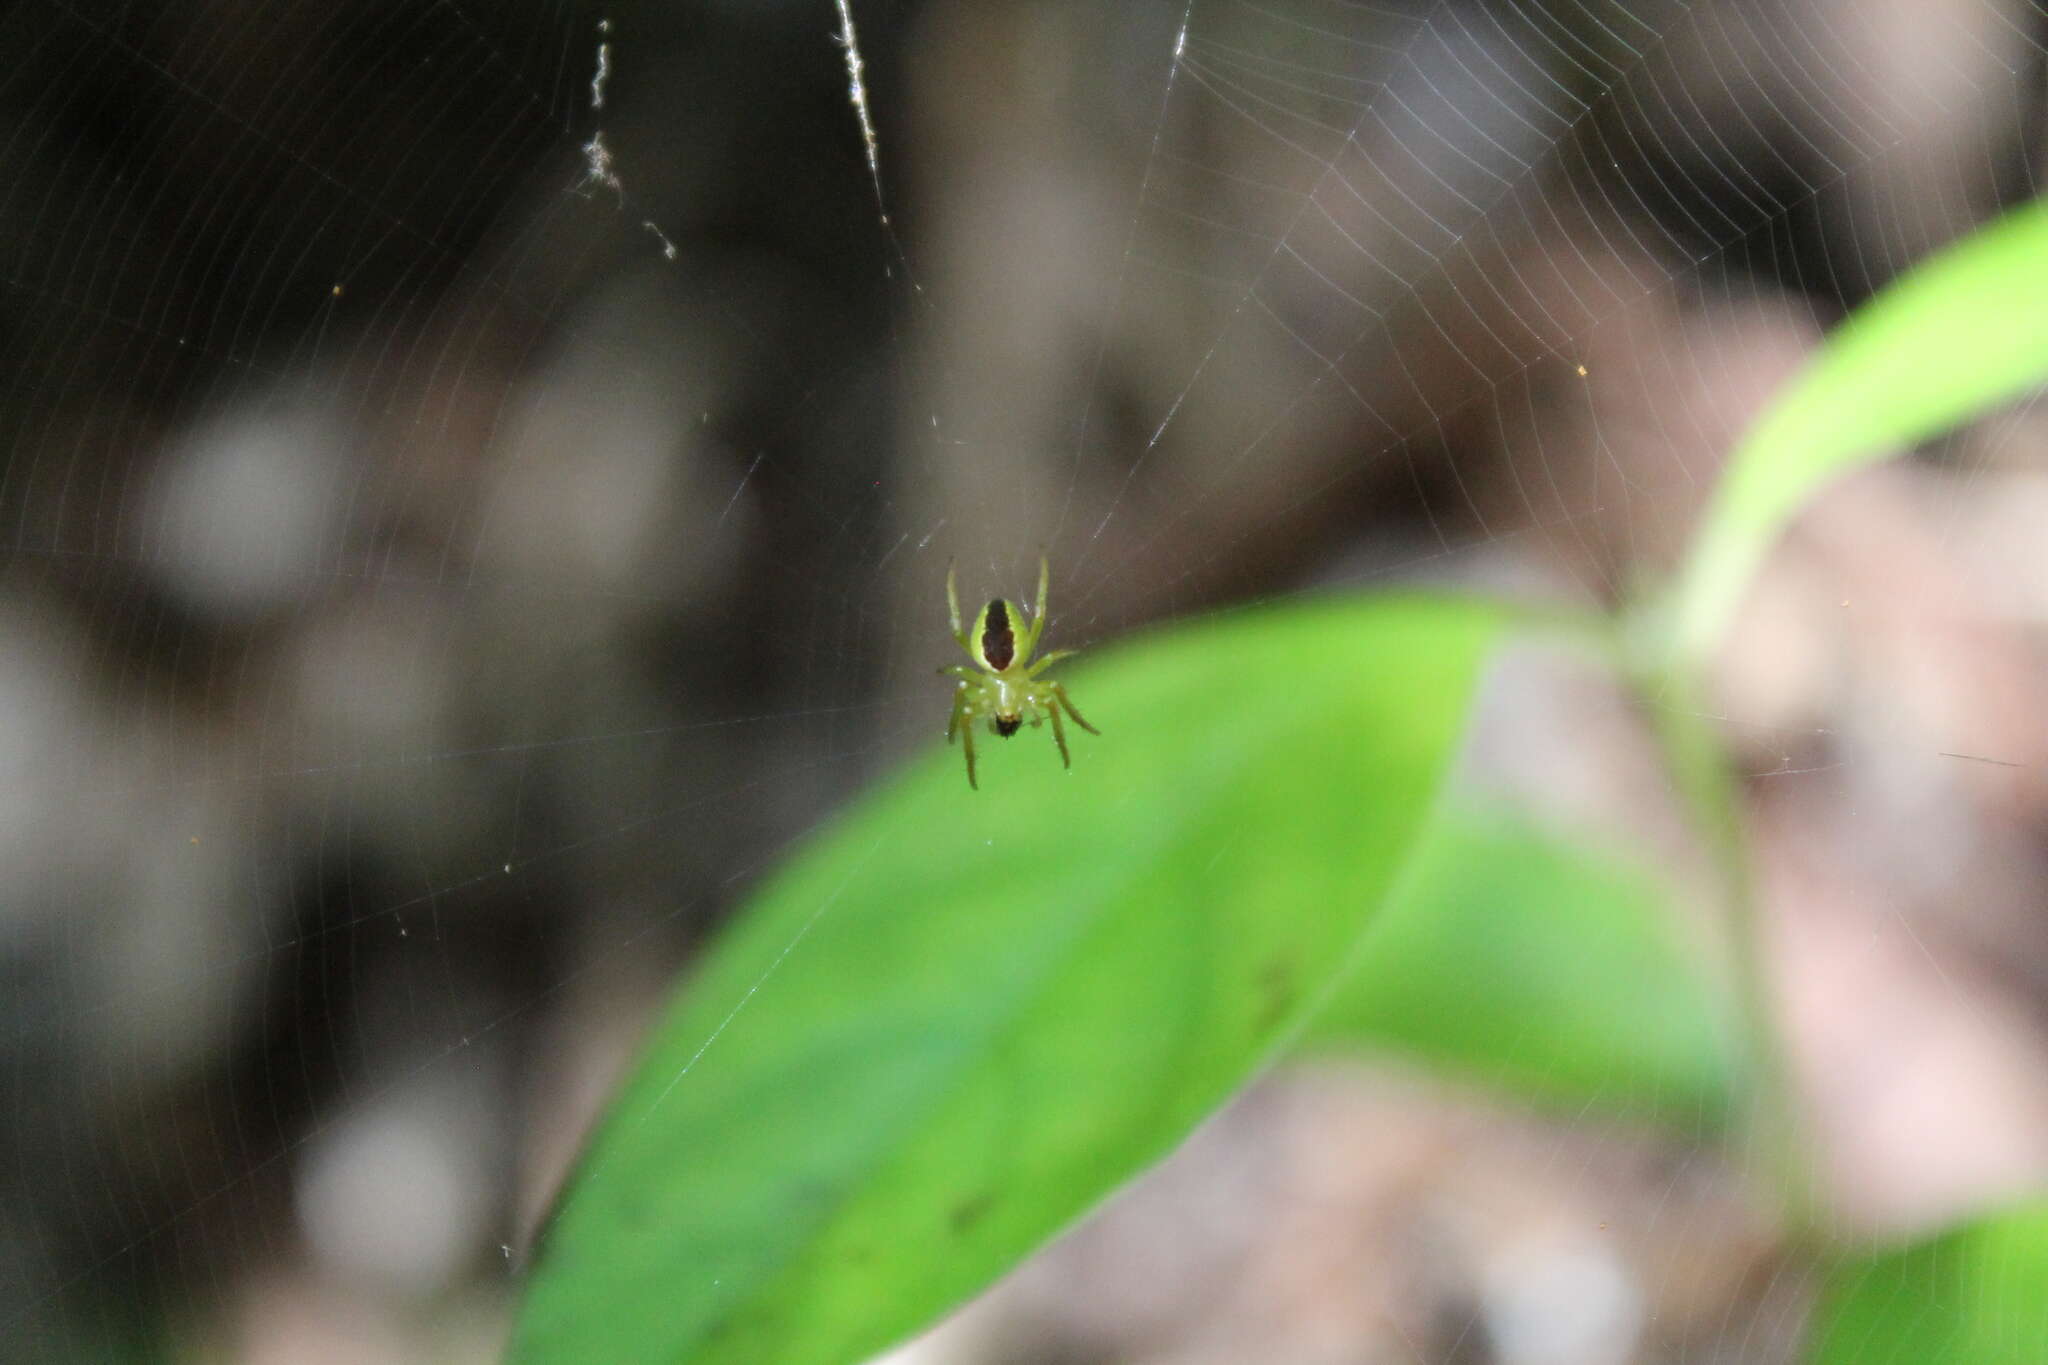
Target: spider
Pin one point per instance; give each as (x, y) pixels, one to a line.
(1004, 684)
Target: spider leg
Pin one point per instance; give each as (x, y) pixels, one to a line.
(953, 606)
(1030, 641)
(1060, 693)
(1059, 735)
(1053, 657)
(963, 725)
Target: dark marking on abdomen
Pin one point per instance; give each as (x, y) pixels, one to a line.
(998, 640)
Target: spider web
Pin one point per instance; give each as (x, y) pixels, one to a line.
(479, 482)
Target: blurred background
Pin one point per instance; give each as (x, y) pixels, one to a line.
(476, 487)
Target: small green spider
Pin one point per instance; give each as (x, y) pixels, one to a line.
(1004, 684)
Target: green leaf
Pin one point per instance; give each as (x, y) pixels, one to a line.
(1974, 1296)
(962, 1018)
(1953, 338)
(1525, 961)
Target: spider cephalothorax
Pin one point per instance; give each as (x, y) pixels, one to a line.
(1004, 684)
